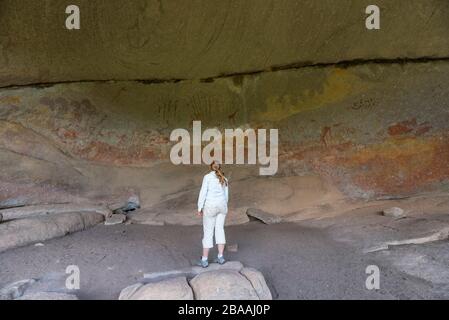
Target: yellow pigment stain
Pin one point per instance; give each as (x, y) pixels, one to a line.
(395, 150)
(10, 100)
(339, 84)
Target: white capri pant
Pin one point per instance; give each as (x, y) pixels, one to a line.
(213, 222)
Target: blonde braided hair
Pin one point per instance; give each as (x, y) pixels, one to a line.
(216, 167)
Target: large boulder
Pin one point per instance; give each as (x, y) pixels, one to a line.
(223, 285)
(170, 289)
(231, 281)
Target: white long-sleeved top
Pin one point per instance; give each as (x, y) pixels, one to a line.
(212, 193)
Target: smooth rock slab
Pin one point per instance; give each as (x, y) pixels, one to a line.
(263, 216)
(53, 209)
(223, 285)
(23, 232)
(170, 289)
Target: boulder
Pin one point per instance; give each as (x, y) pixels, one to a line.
(263, 216)
(258, 282)
(223, 285)
(231, 281)
(394, 212)
(117, 218)
(170, 289)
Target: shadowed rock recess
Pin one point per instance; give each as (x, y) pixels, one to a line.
(86, 116)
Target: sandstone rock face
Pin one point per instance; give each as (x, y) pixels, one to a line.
(326, 114)
(171, 289)
(223, 285)
(231, 281)
(365, 129)
(141, 39)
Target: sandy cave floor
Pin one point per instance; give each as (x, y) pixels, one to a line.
(298, 262)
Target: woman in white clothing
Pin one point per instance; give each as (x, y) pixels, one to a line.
(213, 207)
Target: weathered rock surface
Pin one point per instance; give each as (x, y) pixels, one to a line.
(362, 129)
(394, 212)
(258, 282)
(22, 232)
(223, 285)
(48, 296)
(263, 216)
(141, 39)
(15, 290)
(44, 210)
(49, 287)
(323, 113)
(170, 289)
(128, 292)
(117, 218)
(229, 281)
